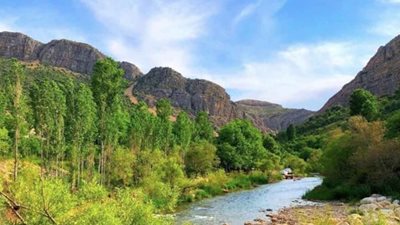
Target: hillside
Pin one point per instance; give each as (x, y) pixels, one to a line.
(273, 115)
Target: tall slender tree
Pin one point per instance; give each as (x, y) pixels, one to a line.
(203, 128)
(81, 128)
(183, 130)
(49, 107)
(164, 124)
(11, 83)
(107, 87)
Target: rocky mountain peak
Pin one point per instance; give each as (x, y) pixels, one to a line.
(75, 56)
(17, 45)
(381, 75)
(132, 72)
(258, 103)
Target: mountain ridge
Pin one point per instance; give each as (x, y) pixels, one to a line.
(192, 95)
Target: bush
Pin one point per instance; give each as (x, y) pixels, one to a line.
(201, 158)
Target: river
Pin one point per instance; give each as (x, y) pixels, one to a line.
(239, 207)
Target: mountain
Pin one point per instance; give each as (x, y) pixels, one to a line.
(272, 115)
(381, 75)
(191, 95)
(75, 56)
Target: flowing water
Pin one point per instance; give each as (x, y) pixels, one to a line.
(237, 208)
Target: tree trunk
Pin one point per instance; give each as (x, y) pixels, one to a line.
(17, 98)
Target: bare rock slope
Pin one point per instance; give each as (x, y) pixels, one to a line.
(272, 115)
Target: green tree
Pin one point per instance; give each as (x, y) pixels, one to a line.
(363, 103)
(203, 128)
(49, 107)
(141, 128)
(15, 103)
(393, 125)
(201, 158)
(183, 130)
(121, 169)
(163, 128)
(270, 144)
(240, 146)
(107, 87)
(291, 132)
(81, 128)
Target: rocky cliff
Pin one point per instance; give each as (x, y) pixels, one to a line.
(273, 116)
(381, 75)
(191, 95)
(75, 56)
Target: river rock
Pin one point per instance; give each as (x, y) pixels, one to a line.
(385, 204)
(396, 202)
(368, 200)
(381, 199)
(368, 207)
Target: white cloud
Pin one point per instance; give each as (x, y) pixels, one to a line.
(298, 74)
(153, 33)
(390, 1)
(246, 11)
(386, 23)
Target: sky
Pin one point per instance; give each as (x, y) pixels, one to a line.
(295, 53)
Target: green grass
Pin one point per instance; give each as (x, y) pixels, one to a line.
(219, 183)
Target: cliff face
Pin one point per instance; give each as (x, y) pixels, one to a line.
(274, 116)
(20, 46)
(381, 75)
(190, 95)
(74, 56)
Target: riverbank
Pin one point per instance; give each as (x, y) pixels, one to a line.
(374, 210)
(220, 183)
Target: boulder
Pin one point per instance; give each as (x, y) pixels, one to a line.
(368, 200)
(365, 208)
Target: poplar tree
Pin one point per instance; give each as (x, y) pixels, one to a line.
(203, 128)
(15, 103)
(81, 128)
(107, 87)
(183, 130)
(49, 109)
(164, 124)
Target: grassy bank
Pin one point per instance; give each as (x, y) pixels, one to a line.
(219, 182)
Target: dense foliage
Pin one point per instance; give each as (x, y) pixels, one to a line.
(360, 154)
(74, 151)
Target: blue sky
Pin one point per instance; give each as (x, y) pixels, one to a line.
(295, 53)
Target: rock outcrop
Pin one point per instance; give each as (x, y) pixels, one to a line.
(132, 72)
(74, 56)
(381, 75)
(274, 116)
(20, 46)
(191, 95)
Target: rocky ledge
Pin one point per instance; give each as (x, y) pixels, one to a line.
(372, 210)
